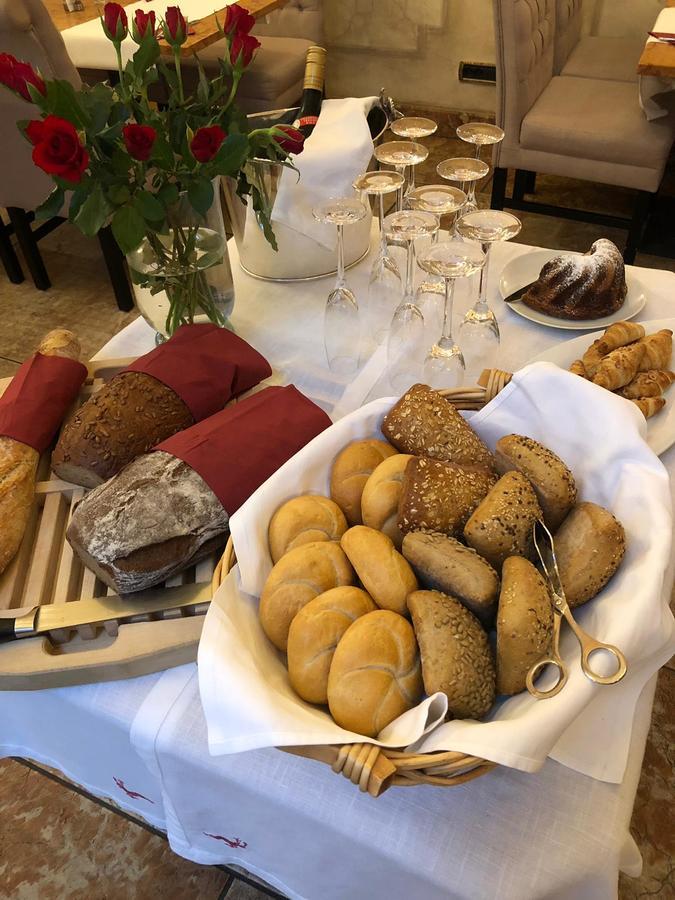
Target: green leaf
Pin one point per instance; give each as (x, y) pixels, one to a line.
(129, 228)
(262, 216)
(231, 156)
(148, 206)
(162, 154)
(146, 55)
(80, 194)
(168, 194)
(93, 212)
(120, 162)
(119, 194)
(200, 195)
(52, 205)
(62, 100)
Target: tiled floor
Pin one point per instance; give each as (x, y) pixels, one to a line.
(58, 844)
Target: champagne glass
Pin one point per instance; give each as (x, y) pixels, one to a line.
(479, 332)
(401, 154)
(342, 326)
(464, 170)
(444, 365)
(406, 344)
(384, 286)
(481, 134)
(413, 128)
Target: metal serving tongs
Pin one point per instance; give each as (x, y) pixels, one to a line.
(543, 541)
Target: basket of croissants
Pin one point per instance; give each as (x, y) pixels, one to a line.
(415, 576)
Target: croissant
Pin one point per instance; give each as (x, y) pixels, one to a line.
(618, 335)
(578, 368)
(659, 348)
(619, 367)
(648, 384)
(649, 406)
(592, 359)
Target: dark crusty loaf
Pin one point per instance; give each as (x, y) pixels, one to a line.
(128, 417)
(155, 518)
(424, 424)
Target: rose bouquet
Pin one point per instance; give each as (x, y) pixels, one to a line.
(147, 168)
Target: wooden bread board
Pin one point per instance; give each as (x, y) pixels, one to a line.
(45, 570)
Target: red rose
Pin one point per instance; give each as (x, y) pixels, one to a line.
(175, 26)
(18, 75)
(242, 50)
(57, 149)
(292, 140)
(237, 20)
(115, 22)
(143, 25)
(139, 141)
(207, 142)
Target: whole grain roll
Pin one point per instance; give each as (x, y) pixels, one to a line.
(551, 479)
(379, 501)
(589, 547)
(314, 635)
(424, 424)
(375, 673)
(443, 564)
(352, 468)
(300, 576)
(456, 655)
(304, 520)
(501, 525)
(524, 624)
(384, 573)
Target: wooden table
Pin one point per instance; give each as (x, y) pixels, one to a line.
(658, 59)
(205, 30)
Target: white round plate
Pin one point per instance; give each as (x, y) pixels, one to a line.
(661, 427)
(525, 269)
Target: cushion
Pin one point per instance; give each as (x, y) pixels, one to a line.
(589, 118)
(612, 58)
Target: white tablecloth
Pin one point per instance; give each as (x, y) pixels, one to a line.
(292, 821)
(653, 91)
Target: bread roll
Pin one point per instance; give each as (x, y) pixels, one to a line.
(379, 501)
(502, 524)
(382, 570)
(19, 462)
(443, 564)
(524, 623)
(589, 547)
(439, 496)
(304, 520)
(298, 577)
(424, 424)
(456, 655)
(375, 673)
(552, 481)
(314, 635)
(352, 468)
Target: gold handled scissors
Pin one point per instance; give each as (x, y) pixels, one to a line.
(543, 542)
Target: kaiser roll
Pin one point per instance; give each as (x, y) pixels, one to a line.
(304, 520)
(382, 570)
(351, 469)
(379, 501)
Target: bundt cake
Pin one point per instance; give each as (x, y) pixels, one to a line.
(580, 287)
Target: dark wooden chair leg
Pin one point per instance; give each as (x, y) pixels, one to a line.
(498, 188)
(637, 225)
(115, 264)
(29, 247)
(530, 182)
(520, 184)
(8, 257)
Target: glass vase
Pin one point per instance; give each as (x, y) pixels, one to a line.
(184, 275)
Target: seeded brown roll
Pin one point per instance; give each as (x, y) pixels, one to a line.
(424, 424)
(456, 655)
(524, 624)
(352, 468)
(502, 524)
(304, 520)
(439, 496)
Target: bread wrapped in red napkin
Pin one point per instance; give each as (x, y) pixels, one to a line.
(188, 378)
(169, 508)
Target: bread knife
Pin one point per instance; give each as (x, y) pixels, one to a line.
(41, 619)
(518, 295)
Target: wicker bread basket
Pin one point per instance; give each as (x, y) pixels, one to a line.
(374, 769)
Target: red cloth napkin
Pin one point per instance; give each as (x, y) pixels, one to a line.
(206, 366)
(237, 449)
(38, 397)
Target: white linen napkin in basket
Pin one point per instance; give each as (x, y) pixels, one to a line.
(243, 682)
(335, 154)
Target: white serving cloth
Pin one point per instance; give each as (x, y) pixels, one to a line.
(89, 48)
(601, 439)
(650, 86)
(335, 154)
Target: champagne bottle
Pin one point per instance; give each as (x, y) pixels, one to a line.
(312, 94)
